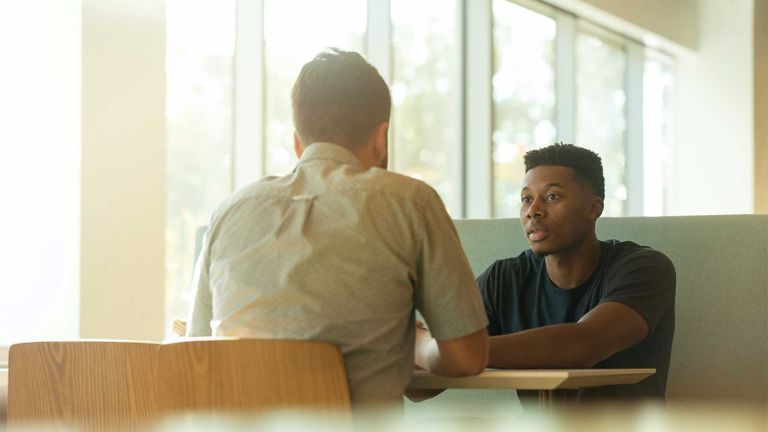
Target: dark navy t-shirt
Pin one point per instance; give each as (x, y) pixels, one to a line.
(518, 295)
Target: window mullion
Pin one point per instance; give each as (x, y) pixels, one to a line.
(565, 78)
(634, 131)
(459, 167)
(249, 95)
(378, 46)
(478, 114)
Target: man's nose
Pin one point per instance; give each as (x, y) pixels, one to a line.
(535, 210)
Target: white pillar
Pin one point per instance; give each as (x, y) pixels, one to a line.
(123, 170)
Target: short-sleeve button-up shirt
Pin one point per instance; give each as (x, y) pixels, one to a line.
(338, 253)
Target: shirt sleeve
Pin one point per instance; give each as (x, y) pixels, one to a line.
(446, 291)
(488, 283)
(644, 280)
(201, 310)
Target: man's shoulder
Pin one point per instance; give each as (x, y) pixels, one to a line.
(267, 186)
(630, 249)
(513, 267)
(379, 180)
(342, 179)
(628, 254)
(403, 190)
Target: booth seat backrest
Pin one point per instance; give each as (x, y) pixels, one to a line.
(720, 350)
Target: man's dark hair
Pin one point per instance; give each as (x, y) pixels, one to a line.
(339, 98)
(585, 163)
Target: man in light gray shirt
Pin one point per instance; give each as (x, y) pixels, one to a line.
(341, 250)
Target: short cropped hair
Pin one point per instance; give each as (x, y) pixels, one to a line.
(339, 98)
(585, 163)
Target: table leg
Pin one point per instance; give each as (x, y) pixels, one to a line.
(546, 399)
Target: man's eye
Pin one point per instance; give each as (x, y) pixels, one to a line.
(552, 197)
(525, 200)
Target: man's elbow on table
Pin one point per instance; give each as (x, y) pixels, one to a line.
(463, 356)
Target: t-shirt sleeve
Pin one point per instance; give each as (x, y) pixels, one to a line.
(488, 282)
(644, 280)
(446, 291)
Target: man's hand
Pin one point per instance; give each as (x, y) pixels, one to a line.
(423, 339)
(422, 394)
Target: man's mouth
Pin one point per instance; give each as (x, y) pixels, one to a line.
(536, 233)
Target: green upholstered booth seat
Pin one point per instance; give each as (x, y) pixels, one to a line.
(720, 348)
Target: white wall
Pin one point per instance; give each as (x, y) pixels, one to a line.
(713, 162)
(39, 169)
(675, 22)
(123, 169)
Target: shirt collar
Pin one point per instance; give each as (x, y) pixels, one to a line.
(329, 151)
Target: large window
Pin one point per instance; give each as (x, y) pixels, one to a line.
(474, 86)
(557, 77)
(290, 40)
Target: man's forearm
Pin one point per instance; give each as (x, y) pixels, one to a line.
(463, 356)
(554, 346)
(428, 357)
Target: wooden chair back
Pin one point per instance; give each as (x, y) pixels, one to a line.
(205, 374)
(89, 385)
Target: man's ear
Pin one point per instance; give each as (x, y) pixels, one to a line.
(297, 148)
(596, 208)
(379, 138)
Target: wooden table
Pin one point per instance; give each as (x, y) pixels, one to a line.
(546, 381)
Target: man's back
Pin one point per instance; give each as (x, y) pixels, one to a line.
(338, 253)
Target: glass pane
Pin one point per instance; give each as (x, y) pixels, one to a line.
(199, 116)
(600, 112)
(425, 95)
(658, 80)
(291, 40)
(523, 96)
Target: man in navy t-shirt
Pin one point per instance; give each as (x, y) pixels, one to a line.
(572, 301)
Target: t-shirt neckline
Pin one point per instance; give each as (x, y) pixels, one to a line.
(579, 290)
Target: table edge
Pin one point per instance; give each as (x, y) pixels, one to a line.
(531, 379)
